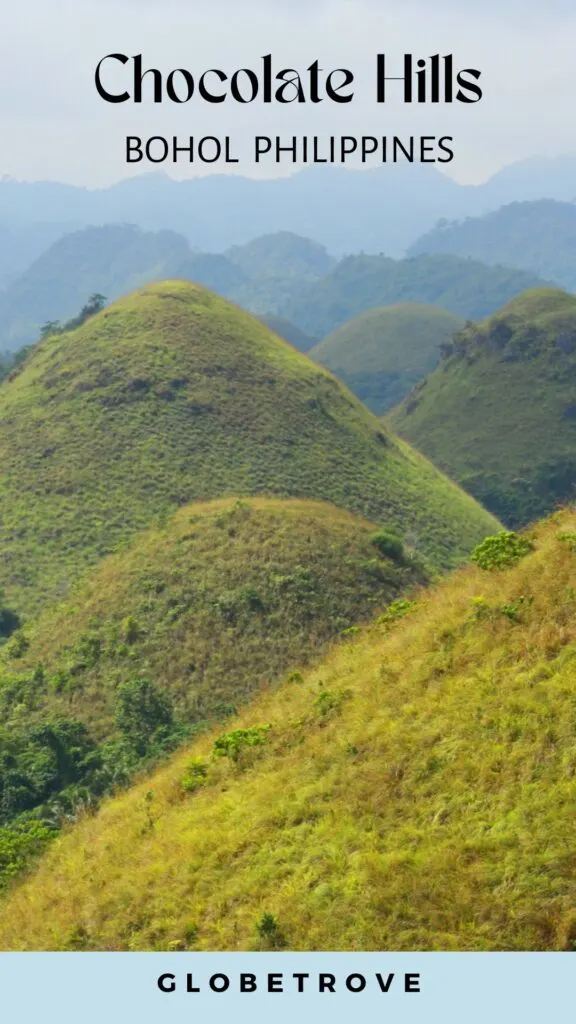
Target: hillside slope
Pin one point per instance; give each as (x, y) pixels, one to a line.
(380, 803)
(173, 395)
(539, 236)
(499, 413)
(381, 354)
(175, 632)
(222, 599)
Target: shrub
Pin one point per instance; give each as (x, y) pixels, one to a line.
(143, 714)
(191, 932)
(389, 545)
(194, 775)
(231, 744)
(19, 843)
(270, 932)
(330, 702)
(397, 610)
(130, 630)
(17, 645)
(295, 677)
(9, 621)
(501, 551)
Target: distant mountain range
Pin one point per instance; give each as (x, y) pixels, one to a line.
(285, 276)
(539, 236)
(378, 210)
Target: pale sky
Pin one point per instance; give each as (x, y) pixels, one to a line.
(54, 126)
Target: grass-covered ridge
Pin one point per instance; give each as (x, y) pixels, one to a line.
(219, 602)
(383, 353)
(174, 395)
(499, 413)
(378, 803)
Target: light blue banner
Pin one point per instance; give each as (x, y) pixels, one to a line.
(122, 988)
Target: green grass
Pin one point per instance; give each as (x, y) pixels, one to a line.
(174, 395)
(499, 413)
(381, 354)
(416, 790)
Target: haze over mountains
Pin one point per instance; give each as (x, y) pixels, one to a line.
(281, 275)
(377, 210)
(539, 236)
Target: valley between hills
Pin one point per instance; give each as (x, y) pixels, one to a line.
(287, 596)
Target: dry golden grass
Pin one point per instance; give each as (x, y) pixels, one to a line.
(415, 791)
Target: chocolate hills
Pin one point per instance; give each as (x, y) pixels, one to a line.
(499, 413)
(375, 802)
(173, 395)
(381, 354)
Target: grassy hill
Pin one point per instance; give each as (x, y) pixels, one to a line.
(173, 395)
(379, 802)
(539, 236)
(381, 354)
(499, 413)
(175, 631)
(465, 287)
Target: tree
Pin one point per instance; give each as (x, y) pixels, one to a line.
(95, 304)
(50, 327)
(9, 621)
(143, 714)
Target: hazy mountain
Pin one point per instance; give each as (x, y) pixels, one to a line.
(358, 283)
(378, 210)
(539, 236)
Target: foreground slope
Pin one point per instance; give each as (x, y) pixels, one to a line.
(416, 791)
(173, 395)
(383, 353)
(499, 413)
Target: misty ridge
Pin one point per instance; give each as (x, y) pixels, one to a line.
(383, 209)
(277, 248)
